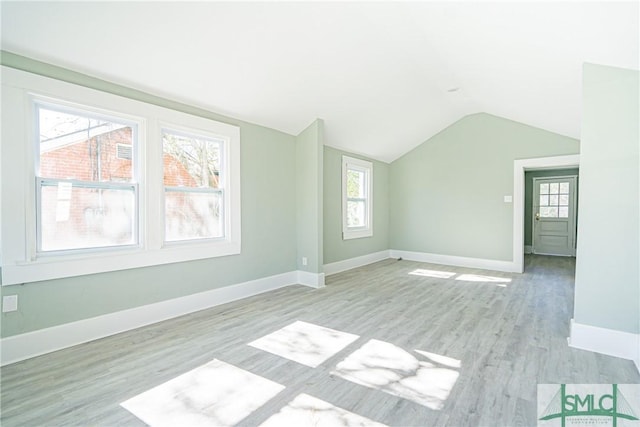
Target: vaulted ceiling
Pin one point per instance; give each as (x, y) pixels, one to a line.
(384, 76)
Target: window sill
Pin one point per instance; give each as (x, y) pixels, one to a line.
(356, 234)
(58, 267)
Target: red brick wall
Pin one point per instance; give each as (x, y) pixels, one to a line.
(79, 161)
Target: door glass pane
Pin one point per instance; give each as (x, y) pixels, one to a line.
(77, 218)
(549, 212)
(84, 148)
(544, 188)
(553, 200)
(544, 200)
(564, 200)
(564, 212)
(554, 188)
(191, 215)
(564, 188)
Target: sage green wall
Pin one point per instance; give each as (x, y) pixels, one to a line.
(528, 197)
(447, 194)
(309, 197)
(336, 249)
(607, 287)
(268, 239)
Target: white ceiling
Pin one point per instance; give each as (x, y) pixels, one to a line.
(377, 73)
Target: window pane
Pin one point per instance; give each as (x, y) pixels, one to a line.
(553, 200)
(553, 188)
(190, 160)
(544, 188)
(191, 215)
(564, 200)
(564, 212)
(76, 218)
(564, 188)
(549, 212)
(356, 213)
(355, 184)
(81, 147)
(544, 200)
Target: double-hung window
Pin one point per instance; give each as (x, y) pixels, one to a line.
(93, 182)
(86, 197)
(357, 198)
(193, 186)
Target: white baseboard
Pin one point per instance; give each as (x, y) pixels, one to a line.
(31, 344)
(348, 264)
(458, 261)
(315, 280)
(606, 341)
(528, 249)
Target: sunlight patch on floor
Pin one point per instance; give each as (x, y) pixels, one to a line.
(498, 281)
(304, 343)
(307, 410)
(388, 368)
(217, 394)
(432, 273)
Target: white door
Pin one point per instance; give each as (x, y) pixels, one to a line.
(554, 216)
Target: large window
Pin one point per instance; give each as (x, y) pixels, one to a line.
(86, 195)
(93, 182)
(357, 215)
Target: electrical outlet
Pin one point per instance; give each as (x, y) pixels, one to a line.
(304, 260)
(9, 303)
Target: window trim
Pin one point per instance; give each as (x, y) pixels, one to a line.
(223, 141)
(35, 103)
(366, 167)
(19, 260)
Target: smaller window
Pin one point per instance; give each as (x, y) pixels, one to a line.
(357, 195)
(194, 186)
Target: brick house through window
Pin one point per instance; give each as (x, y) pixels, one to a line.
(70, 213)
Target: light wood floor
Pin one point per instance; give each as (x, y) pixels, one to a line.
(507, 338)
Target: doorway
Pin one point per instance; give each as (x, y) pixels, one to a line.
(532, 204)
(520, 166)
(554, 215)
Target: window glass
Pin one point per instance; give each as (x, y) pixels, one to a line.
(78, 146)
(193, 196)
(73, 217)
(554, 200)
(87, 197)
(357, 198)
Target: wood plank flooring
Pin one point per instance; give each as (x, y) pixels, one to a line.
(508, 337)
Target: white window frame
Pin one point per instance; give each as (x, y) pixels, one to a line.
(224, 178)
(19, 258)
(36, 101)
(351, 163)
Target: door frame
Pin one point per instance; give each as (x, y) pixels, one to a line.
(573, 206)
(519, 168)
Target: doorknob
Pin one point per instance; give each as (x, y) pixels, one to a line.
(537, 216)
